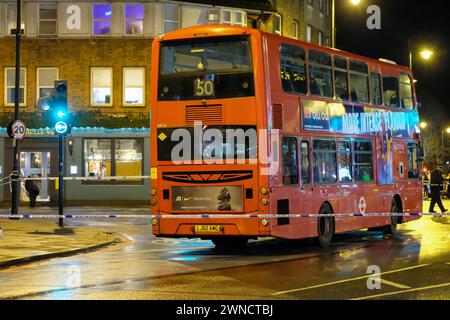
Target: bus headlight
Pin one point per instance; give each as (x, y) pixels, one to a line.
(264, 222)
(153, 202)
(153, 191)
(264, 191)
(154, 221)
(264, 201)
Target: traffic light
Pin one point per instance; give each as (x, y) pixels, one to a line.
(56, 102)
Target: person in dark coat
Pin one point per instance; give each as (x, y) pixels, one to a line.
(437, 184)
(33, 191)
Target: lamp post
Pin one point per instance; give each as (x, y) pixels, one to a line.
(425, 54)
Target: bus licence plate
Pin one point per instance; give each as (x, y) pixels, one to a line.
(213, 229)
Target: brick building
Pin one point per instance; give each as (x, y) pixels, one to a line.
(103, 50)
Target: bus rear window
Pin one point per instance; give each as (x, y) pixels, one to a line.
(205, 69)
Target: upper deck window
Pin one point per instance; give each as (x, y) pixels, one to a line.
(359, 81)
(375, 89)
(206, 68)
(390, 91)
(320, 83)
(406, 94)
(293, 69)
(341, 78)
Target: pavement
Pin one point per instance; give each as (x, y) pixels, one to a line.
(26, 241)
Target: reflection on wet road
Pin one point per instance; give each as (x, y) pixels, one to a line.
(413, 265)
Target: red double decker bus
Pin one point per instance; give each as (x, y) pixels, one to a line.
(252, 131)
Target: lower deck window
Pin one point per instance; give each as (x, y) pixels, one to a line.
(325, 162)
(112, 157)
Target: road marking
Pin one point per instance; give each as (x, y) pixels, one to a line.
(348, 280)
(393, 284)
(403, 291)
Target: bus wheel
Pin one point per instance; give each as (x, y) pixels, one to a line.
(325, 227)
(230, 242)
(392, 228)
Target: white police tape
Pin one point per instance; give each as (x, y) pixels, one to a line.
(213, 216)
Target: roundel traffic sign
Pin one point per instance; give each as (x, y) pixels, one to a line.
(17, 129)
(61, 127)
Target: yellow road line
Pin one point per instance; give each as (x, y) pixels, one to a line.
(403, 291)
(393, 284)
(348, 280)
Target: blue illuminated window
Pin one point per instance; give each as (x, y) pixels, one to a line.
(102, 19)
(134, 19)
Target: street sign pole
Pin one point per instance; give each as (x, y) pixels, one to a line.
(61, 180)
(15, 171)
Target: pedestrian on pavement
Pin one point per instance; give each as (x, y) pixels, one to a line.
(437, 184)
(32, 190)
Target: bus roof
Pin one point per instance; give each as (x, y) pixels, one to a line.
(216, 30)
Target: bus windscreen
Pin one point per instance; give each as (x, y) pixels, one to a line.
(205, 69)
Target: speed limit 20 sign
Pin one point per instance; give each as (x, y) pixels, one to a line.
(17, 130)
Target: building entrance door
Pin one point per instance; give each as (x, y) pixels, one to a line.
(35, 164)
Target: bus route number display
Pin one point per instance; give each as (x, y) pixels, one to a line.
(204, 88)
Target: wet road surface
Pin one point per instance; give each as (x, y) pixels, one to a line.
(415, 264)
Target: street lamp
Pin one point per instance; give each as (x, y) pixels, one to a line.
(423, 125)
(425, 54)
(355, 2)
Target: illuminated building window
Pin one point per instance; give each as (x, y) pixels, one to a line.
(133, 86)
(113, 157)
(46, 80)
(102, 14)
(11, 19)
(171, 17)
(233, 17)
(277, 26)
(48, 19)
(134, 19)
(10, 90)
(309, 33)
(295, 29)
(101, 86)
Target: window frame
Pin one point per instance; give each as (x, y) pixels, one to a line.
(373, 156)
(305, 67)
(38, 86)
(7, 31)
(178, 22)
(352, 160)
(47, 20)
(411, 83)
(398, 106)
(300, 149)
(296, 27)
(278, 17)
(314, 63)
(125, 20)
(124, 87)
(92, 104)
(140, 182)
(346, 70)
(309, 33)
(335, 152)
(108, 20)
(358, 73)
(380, 83)
(6, 87)
(283, 138)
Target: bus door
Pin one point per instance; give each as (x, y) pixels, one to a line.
(286, 194)
(413, 192)
(306, 188)
(349, 195)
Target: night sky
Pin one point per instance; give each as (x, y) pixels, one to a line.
(426, 23)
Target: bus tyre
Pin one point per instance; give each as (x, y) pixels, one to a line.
(392, 228)
(230, 242)
(325, 227)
